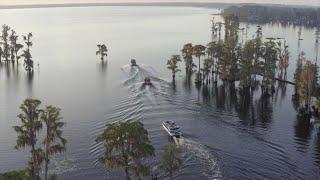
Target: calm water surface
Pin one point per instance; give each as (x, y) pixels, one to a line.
(226, 135)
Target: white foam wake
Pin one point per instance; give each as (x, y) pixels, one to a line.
(201, 153)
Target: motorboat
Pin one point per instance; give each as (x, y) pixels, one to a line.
(133, 62)
(172, 128)
(147, 82)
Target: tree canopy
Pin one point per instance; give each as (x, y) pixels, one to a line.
(126, 146)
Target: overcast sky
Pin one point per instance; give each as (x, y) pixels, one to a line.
(297, 2)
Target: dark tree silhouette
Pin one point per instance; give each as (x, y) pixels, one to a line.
(126, 145)
(28, 62)
(53, 142)
(102, 51)
(27, 135)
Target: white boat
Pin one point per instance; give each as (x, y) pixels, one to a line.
(172, 128)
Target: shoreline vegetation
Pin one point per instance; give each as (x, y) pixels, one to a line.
(297, 16)
(163, 4)
(15, 175)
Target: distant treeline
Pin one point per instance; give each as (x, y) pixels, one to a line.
(271, 14)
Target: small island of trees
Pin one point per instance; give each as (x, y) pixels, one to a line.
(276, 14)
(257, 61)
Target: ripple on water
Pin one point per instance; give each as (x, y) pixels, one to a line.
(152, 106)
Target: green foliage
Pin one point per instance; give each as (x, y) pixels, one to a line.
(270, 58)
(213, 53)
(15, 175)
(228, 62)
(28, 62)
(231, 24)
(283, 52)
(233, 61)
(306, 83)
(126, 145)
(32, 119)
(211, 49)
(172, 65)
(298, 70)
(53, 142)
(187, 53)
(31, 123)
(10, 47)
(246, 63)
(198, 51)
(5, 42)
(53, 176)
(171, 162)
(207, 64)
(228, 50)
(27, 134)
(15, 46)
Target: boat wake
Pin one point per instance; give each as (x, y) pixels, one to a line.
(63, 165)
(135, 81)
(196, 149)
(136, 76)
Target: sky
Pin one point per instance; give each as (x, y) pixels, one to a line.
(24, 2)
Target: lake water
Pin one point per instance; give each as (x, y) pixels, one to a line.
(226, 136)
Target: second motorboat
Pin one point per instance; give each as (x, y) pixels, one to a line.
(172, 128)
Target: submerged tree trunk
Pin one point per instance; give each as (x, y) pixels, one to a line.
(46, 168)
(199, 65)
(33, 174)
(199, 74)
(126, 170)
(46, 160)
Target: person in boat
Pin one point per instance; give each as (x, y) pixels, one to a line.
(133, 62)
(147, 82)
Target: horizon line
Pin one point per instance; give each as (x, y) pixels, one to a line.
(181, 4)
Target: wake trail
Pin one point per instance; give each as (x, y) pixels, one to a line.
(203, 154)
(135, 78)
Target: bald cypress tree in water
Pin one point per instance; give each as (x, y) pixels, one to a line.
(9, 46)
(126, 145)
(230, 49)
(207, 64)
(199, 51)
(32, 120)
(14, 47)
(212, 51)
(5, 43)
(269, 64)
(102, 51)
(171, 161)
(1, 53)
(53, 142)
(172, 64)
(27, 135)
(306, 83)
(283, 59)
(28, 62)
(246, 64)
(187, 52)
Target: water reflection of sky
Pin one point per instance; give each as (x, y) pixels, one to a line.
(252, 139)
